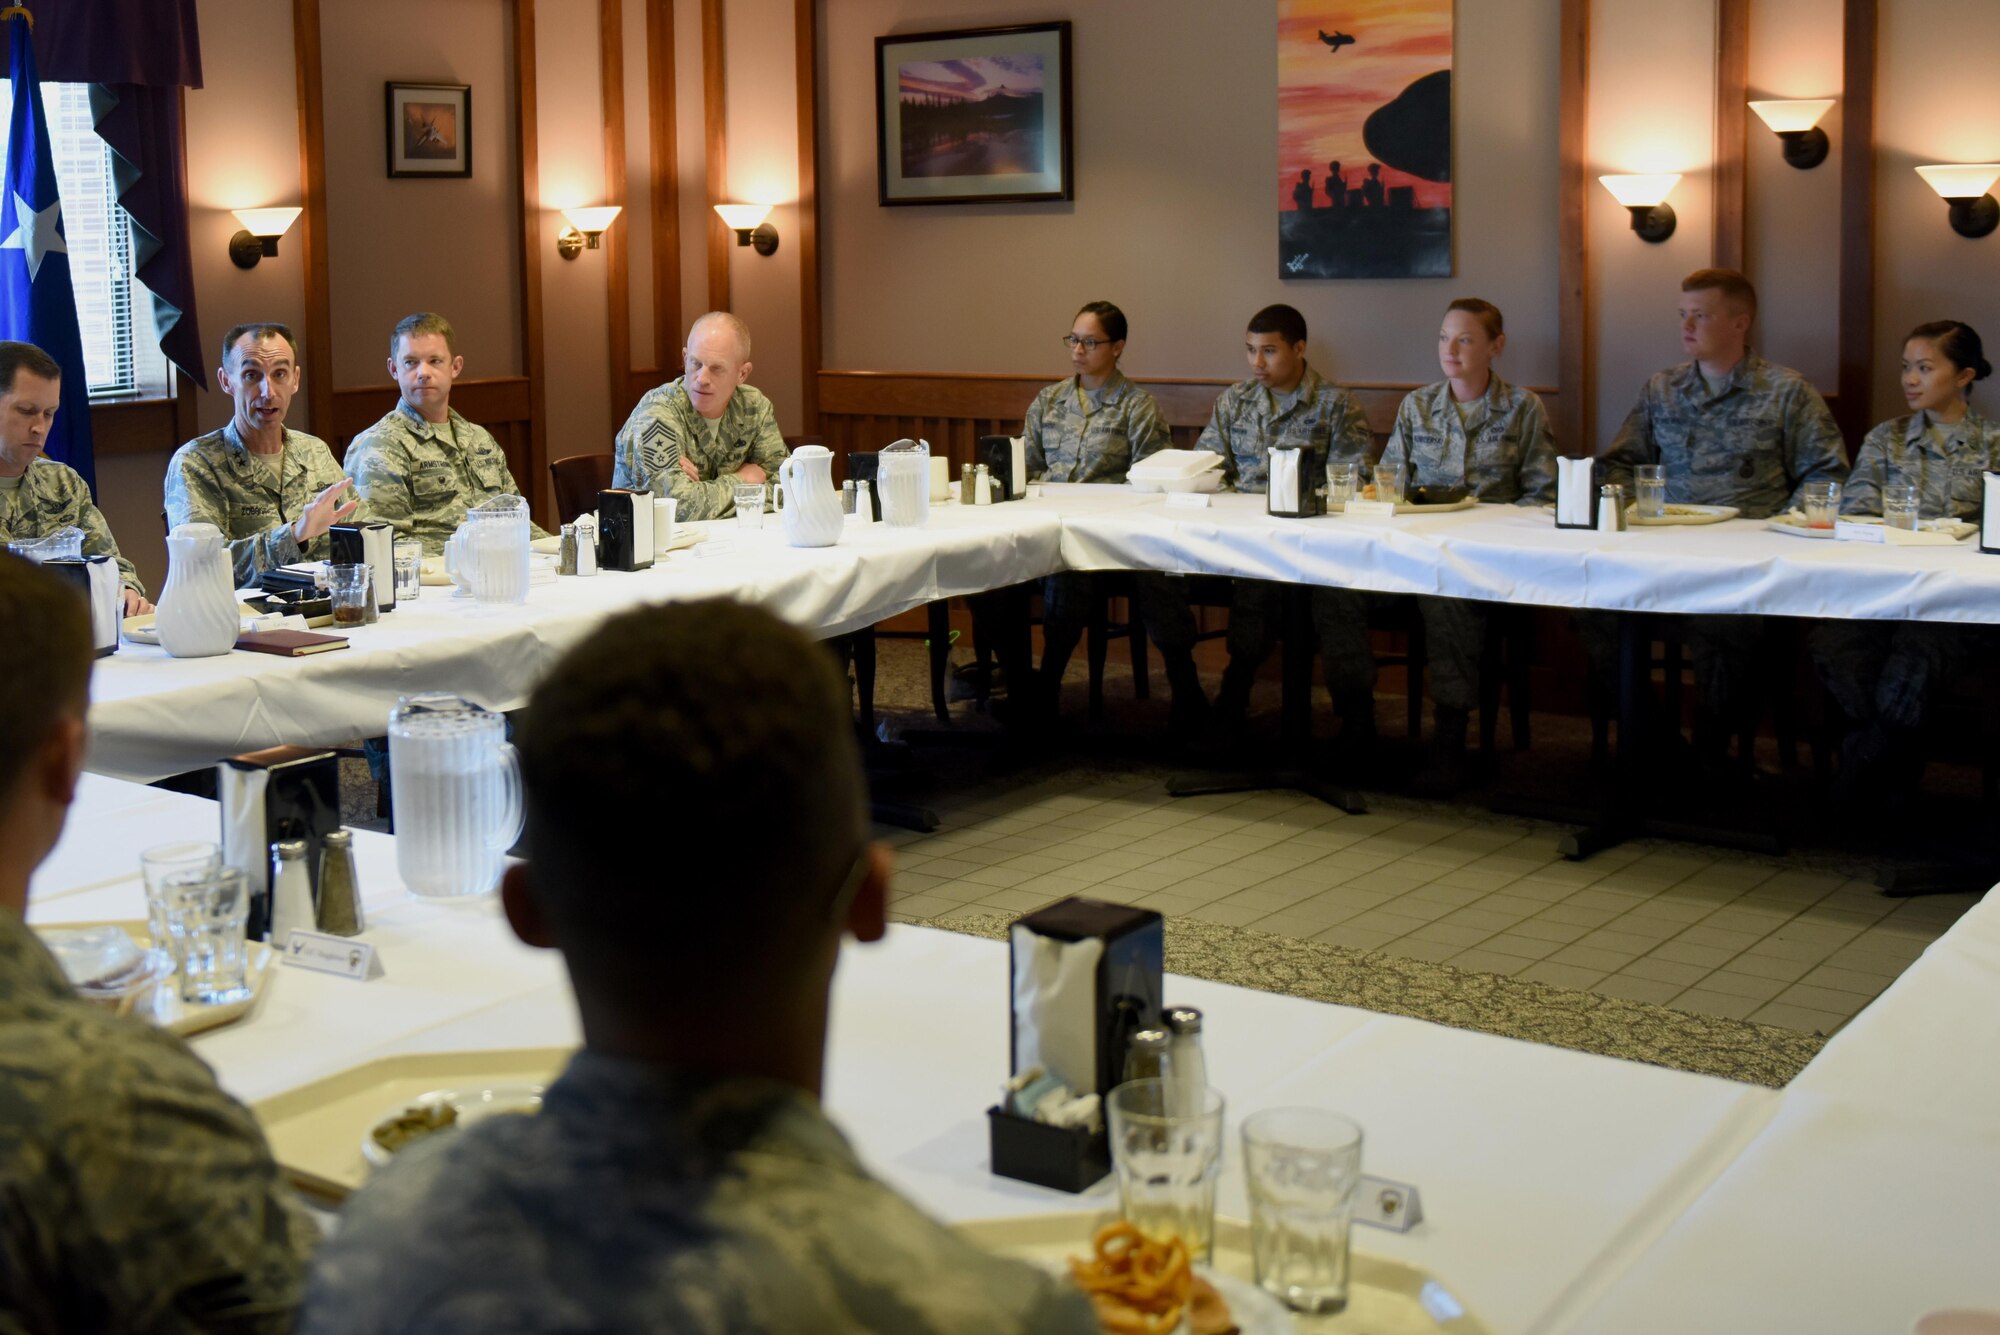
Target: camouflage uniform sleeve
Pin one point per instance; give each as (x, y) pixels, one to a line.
(1215, 439)
(382, 479)
(768, 451)
(1031, 437)
(661, 474)
(1633, 445)
(1538, 453)
(81, 511)
(1813, 448)
(1395, 451)
(1863, 493)
(194, 496)
(1145, 430)
(1351, 440)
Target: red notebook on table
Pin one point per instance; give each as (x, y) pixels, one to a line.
(289, 643)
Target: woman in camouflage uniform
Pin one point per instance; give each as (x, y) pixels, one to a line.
(1884, 674)
(1472, 430)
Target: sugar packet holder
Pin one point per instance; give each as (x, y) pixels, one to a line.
(1576, 493)
(1084, 976)
(1989, 516)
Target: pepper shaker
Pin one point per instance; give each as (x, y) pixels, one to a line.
(566, 562)
(339, 893)
(1147, 1058)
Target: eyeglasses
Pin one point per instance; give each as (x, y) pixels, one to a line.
(1087, 344)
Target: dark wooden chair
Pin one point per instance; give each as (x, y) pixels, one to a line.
(577, 480)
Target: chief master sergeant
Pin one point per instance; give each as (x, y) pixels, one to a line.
(698, 438)
(423, 465)
(39, 496)
(272, 491)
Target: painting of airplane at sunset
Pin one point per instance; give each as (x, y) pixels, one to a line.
(1364, 138)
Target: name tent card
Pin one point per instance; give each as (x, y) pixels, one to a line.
(1187, 500)
(341, 956)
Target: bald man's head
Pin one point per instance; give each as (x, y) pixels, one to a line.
(715, 361)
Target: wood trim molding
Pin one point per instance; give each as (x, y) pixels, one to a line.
(318, 333)
(1571, 413)
(1732, 113)
(805, 43)
(527, 151)
(617, 263)
(666, 195)
(1857, 220)
(714, 118)
(490, 402)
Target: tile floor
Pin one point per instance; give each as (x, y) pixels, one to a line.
(1765, 939)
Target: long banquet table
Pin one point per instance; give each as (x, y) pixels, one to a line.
(153, 716)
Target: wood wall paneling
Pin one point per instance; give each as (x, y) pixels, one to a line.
(1857, 221)
(141, 426)
(504, 405)
(317, 336)
(618, 295)
(806, 47)
(535, 477)
(714, 110)
(666, 194)
(1732, 111)
(1571, 413)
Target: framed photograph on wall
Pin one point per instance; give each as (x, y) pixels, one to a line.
(430, 129)
(979, 115)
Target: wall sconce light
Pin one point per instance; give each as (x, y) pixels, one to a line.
(260, 233)
(747, 221)
(585, 227)
(1797, 123)
(1646, 196)
(1963, 186)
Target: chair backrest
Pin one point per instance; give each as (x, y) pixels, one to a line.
(577, 480)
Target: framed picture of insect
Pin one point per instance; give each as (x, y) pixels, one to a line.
(430, 129)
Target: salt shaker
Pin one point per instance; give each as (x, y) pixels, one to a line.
(339, 894)
(1186, 1068)
(1611, 508)
(291, 890)
(1147, 1058)
(586, 547)
(864, 502)
(566, 562)
(982, 486)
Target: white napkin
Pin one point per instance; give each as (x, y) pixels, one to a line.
(1989, 518)
(1284, 480)
(1055, 1006)
(1575, 484)
(1017, 476)
(92, 956)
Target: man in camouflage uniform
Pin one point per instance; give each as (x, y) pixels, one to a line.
(423, 465)
(1284, 402)
(698, 438)
(39, 496)
(681, 1176)
(1731, 429)
(273, 492)
(1497, 446)
(134, 1194)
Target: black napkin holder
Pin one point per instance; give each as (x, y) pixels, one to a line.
(1002, 455)
(102, 585)
(1126, 998)
(1308, 503)
(283, 792)
(371, 544)
(624, 536)
(1595, 497)
(866, 466)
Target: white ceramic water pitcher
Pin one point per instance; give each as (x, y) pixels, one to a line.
(197, 615)
(812, 507)
(455, 793)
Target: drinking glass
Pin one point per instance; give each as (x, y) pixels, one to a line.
(409, 569)
(1899, 505)
(1389, 484)
(1166, 1145)
(1302, 1165)
(665, 510)
(351, 593)
(164, 865)
(1822, 503)
(1339, 485)
(205, 920)
(1650, 482)
(749, 505)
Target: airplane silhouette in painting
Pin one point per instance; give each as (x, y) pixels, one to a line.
(1336, 41)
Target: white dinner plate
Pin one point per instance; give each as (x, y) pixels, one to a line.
(1683, 514)
(472, 1105)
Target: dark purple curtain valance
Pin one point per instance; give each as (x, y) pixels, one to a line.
(154, 43)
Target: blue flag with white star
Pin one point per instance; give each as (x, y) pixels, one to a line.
(37, 299)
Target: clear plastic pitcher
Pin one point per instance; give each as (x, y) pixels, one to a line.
(495, 550)
(455, 790)
(903, 477)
